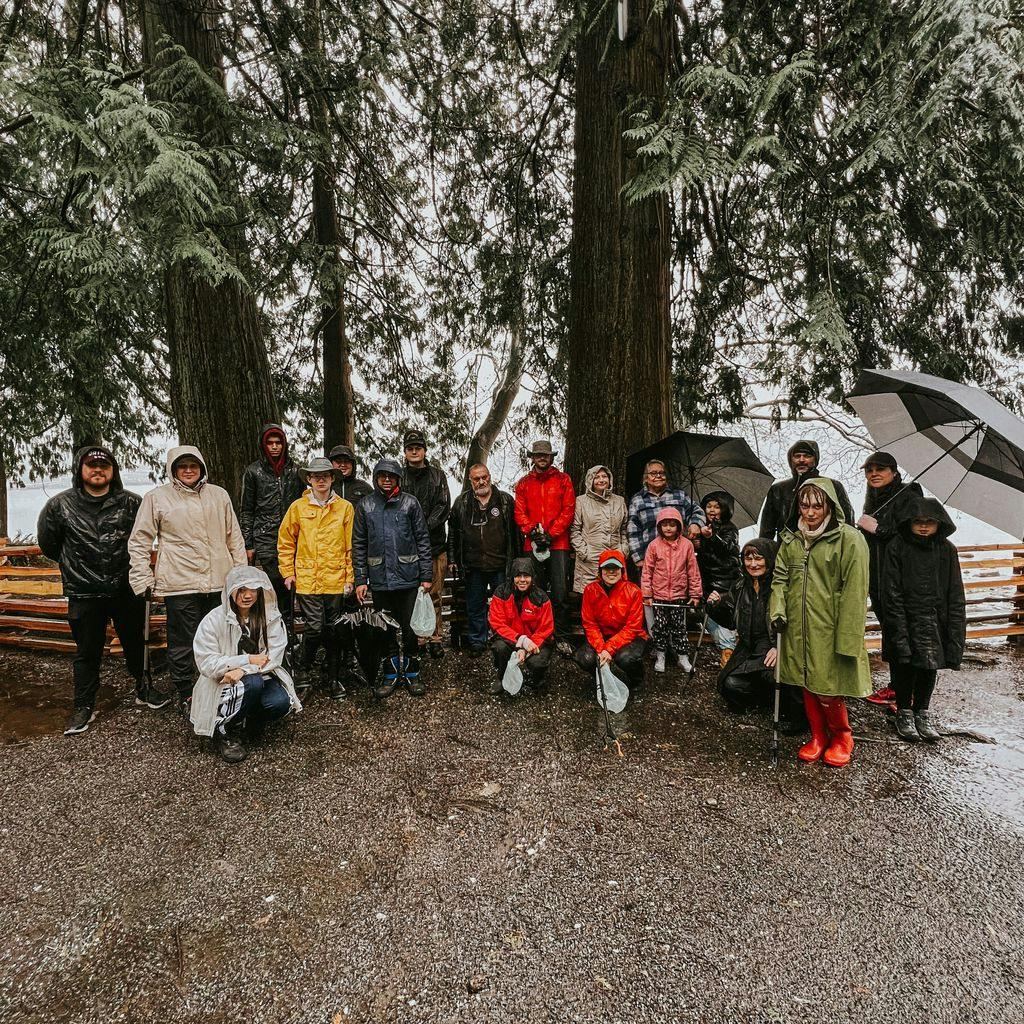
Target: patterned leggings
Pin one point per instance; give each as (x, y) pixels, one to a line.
(669, 629)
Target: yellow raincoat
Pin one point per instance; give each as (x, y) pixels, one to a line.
(314, 545)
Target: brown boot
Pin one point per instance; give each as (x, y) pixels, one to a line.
(724, 659)
(838, 754)
(819, 733)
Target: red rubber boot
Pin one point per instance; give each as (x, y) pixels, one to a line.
(819, 733)
(839, 753)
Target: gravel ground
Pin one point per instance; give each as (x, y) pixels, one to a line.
(465, 858)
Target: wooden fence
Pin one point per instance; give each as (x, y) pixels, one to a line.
(33, 611)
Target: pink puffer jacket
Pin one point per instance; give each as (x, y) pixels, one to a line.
(670, 567)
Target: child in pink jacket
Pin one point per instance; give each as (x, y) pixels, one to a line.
(670, 582)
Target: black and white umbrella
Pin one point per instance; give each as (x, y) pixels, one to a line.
(955, 440)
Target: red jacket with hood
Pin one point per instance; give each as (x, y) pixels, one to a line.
(547, 498)
(612, 618)
(533, 618)
(670, 566)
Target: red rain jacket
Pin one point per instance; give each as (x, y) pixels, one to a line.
(549, 499)
(612, 619)
(534, 620)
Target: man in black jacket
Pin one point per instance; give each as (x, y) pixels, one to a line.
(346, 484)
(269, 486)
(483, 538)
(780, 509)
(85, 530)
(429, 486)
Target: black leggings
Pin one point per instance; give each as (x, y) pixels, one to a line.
(914, 686)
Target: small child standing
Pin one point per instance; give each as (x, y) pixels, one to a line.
(670, 581)
(718, 558)
(925, 615)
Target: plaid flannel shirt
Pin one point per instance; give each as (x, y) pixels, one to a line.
(643, 511)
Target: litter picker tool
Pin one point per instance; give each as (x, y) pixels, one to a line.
(147, 658)
(696, 650)
(609, 735)
(775, 702)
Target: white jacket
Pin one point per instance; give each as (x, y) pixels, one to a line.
(216, 648)
(197, 534)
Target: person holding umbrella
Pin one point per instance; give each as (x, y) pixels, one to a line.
(780, 511)
(85, 530)
(886, 503)
(819, 605)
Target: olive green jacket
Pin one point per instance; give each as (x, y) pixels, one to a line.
(821, 594)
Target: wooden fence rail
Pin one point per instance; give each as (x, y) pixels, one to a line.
(33, 611)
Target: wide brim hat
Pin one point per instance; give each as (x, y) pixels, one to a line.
(318, 465)
(541, 448)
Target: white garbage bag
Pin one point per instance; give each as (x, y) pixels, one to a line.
(512, 680)
(423, 621)
(616, 693)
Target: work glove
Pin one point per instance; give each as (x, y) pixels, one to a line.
(779, 625)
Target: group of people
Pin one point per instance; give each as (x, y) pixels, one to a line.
(319, 545)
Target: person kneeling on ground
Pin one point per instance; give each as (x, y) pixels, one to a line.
(613, 621)
(670, 582)
(925, 613)
(524, 626)
(819, 603)
(747, 679)
(239, 650)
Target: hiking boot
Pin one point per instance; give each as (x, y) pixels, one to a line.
(659, 661)
(906, 728)
(79, 721)
(389, 681)
(150, 697)
(684, 663)
(925, 729)
(435, 649)
(564, 648)
(411, 667)
(228, 747)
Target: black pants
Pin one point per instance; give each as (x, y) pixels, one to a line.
(88, 618)
(534, 664)
(914, 686)
(184, 613)
(745, 691)
(629, 660)
(551, 576)
(320, 614)
(399, 604)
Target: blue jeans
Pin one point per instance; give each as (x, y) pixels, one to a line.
(480, 585)
(265, 698)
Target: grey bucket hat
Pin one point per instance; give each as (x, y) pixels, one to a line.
(541, 448)
(318, 465)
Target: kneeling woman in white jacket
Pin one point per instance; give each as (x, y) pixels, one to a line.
(239, 649)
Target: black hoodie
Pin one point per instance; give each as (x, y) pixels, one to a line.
(718, 556)
(748, 610)
(87, 535)
(888, 505)
(924, 609)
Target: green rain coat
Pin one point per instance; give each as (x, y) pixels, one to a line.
(822, 595)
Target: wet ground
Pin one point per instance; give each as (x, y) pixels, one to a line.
(465, 858)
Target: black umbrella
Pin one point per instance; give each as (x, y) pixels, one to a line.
(699, 463)
(956, 440)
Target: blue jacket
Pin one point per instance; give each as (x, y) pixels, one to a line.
(390, 540)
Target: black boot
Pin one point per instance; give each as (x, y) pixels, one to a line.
(906, 728)
(417, 688)
(494, 687)
(228, 745)
(387, 685)
(925, 729)
(334, 683)
(306, 663)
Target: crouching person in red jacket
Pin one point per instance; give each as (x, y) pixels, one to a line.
(613, 621)
(524, 626)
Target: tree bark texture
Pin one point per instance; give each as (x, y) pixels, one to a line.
(221, 388)
(619, 395)
(3, 496)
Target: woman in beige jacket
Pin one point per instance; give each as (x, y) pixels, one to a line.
(599, 524)
(198, 540)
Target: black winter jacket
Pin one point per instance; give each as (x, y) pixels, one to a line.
(458, 524)
(351, 488)
(718, 556)
(265, 499)
(87, 536)
(748, 615)
(925, 612)
(889, 511)
(780, 509)
(430, 487)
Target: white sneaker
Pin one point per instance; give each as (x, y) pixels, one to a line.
(685, 663)
(659, 662)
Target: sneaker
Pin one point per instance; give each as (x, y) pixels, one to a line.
(80, 720)
(886, 695)
(925, 729)
(564, 648)
(906, 728)
(150, 697)
(659, 661)
(228, 747)
(684, 663)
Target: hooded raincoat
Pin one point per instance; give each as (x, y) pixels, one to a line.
(747, 608)
(821, 595)
(314, 545)
(670, 570)
(216, 648)
(718, 556)
(197, 535)
(925, 612)
(598, 523)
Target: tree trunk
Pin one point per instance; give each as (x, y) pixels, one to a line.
(3, 496)
(83, 412)
(221, 389)
(619, 395)
(502, 398)
(338, 403)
